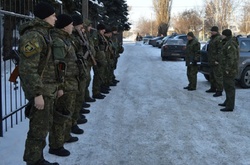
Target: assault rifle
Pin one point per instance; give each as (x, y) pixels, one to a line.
(14, 56)
(88, 47)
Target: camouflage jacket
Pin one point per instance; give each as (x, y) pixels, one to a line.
(99, 42)
(192, 51)
(230, 57)
(36, 70)
(64, 52)
(214, 48)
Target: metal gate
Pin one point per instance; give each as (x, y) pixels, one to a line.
(12, 101)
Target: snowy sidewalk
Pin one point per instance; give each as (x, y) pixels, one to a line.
(149, 119)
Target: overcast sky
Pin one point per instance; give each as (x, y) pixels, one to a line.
(144, 8)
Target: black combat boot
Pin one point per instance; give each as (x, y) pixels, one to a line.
(105, 91)
(76, 130)
(211, 90)
(84, 111)
(89, 99)
(85, 105)
(218, 93)
(72, 139)
(116, 81)
(222, 104)
(112, 84)
(59, 151)
(226, 110)
(82, 121)
(99, 96)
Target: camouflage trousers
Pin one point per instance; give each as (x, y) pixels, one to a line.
(216, 77)
(192, 71)
(99, 72)
(62, 116)
(229, 87)
(88, 80)
(109, 70)
(39, 126)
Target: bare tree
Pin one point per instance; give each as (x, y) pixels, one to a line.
(245, 20)
(189, 20)
(162, 10)
(220, 13)
(146, 27)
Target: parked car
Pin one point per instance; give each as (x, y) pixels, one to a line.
(181, 36)
(243, 76)
(146, 39)
(174, 48)
(159, 43)
(153, 40)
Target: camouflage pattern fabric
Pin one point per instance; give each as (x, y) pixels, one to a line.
(230, 58)
(214, 55)
(40, 123)
(99, 70)
(33, 47)
(192, 57)
(81, 50)
(63, 51)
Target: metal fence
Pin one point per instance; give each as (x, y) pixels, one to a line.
(12, 101)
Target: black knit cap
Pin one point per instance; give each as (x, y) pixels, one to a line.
(114, 28)
(100, 27)
(43, 10)
(63, 20)
(214, 29)
(191, 34)
(108, 30)
(227, 32)
(77, 19)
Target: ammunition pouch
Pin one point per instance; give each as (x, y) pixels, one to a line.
(61, 68)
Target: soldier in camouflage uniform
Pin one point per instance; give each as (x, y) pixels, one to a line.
(81, 52)
(99, 70)
(192, 57)
(118, 49)
(214, 60)
(68, 74)
(36, 69)
(230, 58)
(109, 52)
(88, 35)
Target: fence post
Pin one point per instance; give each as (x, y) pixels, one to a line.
(1, 114)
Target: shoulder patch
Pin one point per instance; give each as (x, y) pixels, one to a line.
(30, 49)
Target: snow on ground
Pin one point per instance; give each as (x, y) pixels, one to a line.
(149, 119)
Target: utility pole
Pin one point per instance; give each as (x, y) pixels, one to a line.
(203, 29)
(85, 9)
(151, 27)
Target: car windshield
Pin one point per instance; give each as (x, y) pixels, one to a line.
(175, 42)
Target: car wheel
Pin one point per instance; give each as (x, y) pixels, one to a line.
(245, 78)
(207, 77)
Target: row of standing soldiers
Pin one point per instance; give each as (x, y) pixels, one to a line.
(56, 57)
(223, 57)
